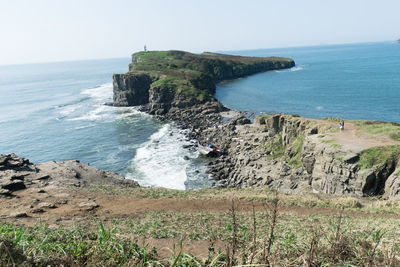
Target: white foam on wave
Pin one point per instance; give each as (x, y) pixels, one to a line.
(89, 107)
(295, 68)
(67, 110)
(99, 113)
(102, 93)
(92, 108)
(161, 160)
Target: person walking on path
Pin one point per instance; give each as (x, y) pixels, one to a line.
(341, 125)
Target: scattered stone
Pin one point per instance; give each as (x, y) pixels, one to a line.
(47, 205)
(62, 201)
(17, 214)
(41, 177)
(5, 192)
(12, 185)
(88, 206)
(37, 210)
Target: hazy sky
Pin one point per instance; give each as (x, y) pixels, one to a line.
(56, 30)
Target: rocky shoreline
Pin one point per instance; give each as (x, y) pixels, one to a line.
(285, 152)
(305, 162)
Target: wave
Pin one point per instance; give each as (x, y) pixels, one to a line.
(91, 107)
(67, 110)
(296, 68)
(163, 160)
(99, 113)
(293, 69)
(102, 93)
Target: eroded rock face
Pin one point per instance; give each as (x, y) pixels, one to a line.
(392, 185)
(131, 90)
(18, 173)
(318, 168)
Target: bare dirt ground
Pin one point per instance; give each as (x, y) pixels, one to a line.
(67, 206)
(350, 139)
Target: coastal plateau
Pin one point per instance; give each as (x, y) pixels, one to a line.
(286, 152)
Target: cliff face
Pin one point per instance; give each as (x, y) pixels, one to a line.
(289, 153)
(131, 90)
(165, 79)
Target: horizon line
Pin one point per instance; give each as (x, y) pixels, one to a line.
(215, 51)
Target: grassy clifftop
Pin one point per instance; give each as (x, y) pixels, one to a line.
(195, 75)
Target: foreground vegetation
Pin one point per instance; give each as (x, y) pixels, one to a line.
(259, 228)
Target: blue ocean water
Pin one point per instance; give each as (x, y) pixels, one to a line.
(56, 111)
(354, 81)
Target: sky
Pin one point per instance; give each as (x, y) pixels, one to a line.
(57, 30)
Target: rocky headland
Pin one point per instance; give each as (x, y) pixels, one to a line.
(39, 187)
(286, 152)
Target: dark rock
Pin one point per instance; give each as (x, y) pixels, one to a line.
(5, 192)
(17, 214)
(47, 205)
(351, 158)
(308, 162)
(13, 185)
(313, 130)
(37, 210)
(131, 90)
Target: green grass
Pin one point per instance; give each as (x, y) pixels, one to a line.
(277, 148)
(263, 116)
(291, 152)
(390, 129)
(332, 143)
(296, 148)
(333, 119)
(378, 156)
(328, 141)
(336, 145)
(80, 245)
(195, 75)
(344, 241)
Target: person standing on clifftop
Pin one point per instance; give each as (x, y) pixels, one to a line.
(341, 125)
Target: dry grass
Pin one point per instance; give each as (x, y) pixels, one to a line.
(389, 129)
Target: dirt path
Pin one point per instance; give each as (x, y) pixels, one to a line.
(351, 140)
(65, 206)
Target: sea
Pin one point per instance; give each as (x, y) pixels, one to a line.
(55, 111)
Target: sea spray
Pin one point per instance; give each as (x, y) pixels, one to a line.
(166, 161)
